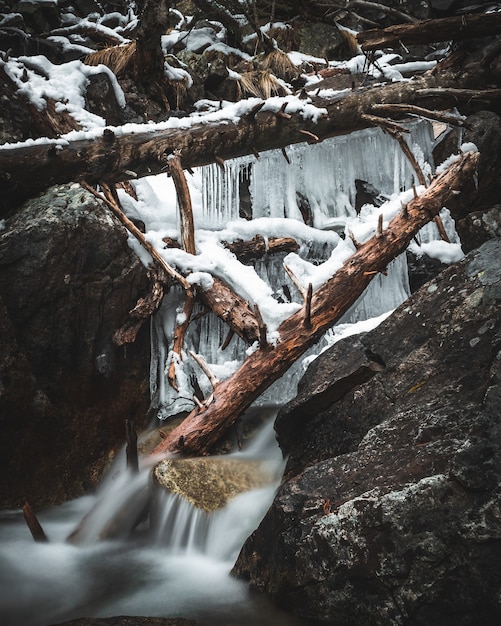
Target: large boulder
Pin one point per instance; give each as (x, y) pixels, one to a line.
(67, 282)
(389, 512)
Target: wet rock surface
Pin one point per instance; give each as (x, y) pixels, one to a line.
(67, 282)
(211, 482)
(389, 512)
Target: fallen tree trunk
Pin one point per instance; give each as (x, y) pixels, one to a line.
(455, 28)
(203, 427)
(112, 157)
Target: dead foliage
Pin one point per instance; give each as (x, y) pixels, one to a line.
(260, 84)
(117, 58)
(279, 64)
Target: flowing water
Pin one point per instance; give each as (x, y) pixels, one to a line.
(181, 567)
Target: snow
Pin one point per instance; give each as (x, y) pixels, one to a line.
(200, 39)
(328, 94)
(178, 74)
(463, 149)
(441, 250)
(69, 46)
(413, 67)
(66, 84)
(299, 58)
(93, 26)
(227, 50)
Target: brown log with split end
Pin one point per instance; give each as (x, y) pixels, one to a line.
(454, 28)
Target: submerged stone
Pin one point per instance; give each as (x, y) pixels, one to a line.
(209, 483)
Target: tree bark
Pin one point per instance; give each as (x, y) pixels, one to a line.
(232, 309)
(257, 247)
(111, 158)
(203, 427)
(428, 31)
(145, 307)
(148, 60)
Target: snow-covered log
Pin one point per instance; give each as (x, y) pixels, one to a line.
(455, 28)
(202, 428)
(115, 155)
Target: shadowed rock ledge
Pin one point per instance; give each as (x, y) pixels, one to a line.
(67, 281)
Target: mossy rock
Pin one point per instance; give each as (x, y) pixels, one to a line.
(209, 483)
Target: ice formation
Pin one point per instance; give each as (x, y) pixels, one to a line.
(309, 194)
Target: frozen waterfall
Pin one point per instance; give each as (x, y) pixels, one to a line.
(309, 192)
(322, 175)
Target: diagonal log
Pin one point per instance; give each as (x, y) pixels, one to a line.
(455, 28)
(202, 428)
(188, 243)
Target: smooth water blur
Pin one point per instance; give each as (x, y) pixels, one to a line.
(181, 568)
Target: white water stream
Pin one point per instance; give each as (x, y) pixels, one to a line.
(180, 568)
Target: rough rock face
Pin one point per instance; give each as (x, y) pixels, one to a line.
(390, 510)
(67, 282)
(484, 130)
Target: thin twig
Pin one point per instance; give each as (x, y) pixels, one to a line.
(204, 366)
(295, 280)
